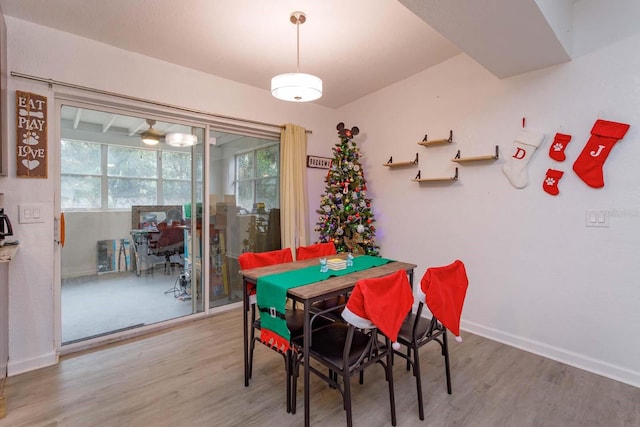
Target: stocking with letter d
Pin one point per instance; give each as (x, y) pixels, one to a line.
(524, 145)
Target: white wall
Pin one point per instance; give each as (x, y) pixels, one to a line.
(40, 51)
(539, 279)
(83, 231)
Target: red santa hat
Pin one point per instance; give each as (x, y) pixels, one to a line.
(381, 302)
(445, 289)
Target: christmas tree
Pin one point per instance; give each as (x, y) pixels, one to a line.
(345, 212)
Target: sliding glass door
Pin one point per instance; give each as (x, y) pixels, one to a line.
(153, 225)
(131, 191)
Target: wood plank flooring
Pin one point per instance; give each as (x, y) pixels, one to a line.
(192, 375)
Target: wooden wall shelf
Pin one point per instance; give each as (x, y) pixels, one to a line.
(390, 163)
(459, 159)
(418, 178)
(428, 143)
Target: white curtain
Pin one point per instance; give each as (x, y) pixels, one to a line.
(293, 186)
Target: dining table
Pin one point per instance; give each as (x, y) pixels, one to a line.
(307, 295)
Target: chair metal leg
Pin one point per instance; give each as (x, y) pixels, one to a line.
(408, 358)
(347, 399)
(252, 346)
(416, 373)
(445, 351)
(287, 368)
(392, 398)
(294, 383)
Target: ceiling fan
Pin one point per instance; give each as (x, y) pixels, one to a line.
(152, 137)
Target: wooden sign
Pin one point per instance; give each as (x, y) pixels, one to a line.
(31, 126)
(318, 162)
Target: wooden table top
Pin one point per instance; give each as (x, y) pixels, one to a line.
(333, 284)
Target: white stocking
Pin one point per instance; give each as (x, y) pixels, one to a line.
(523, 148)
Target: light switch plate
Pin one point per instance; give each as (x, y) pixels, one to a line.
(29, 213)
(597, 218)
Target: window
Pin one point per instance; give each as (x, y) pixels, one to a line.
(102, 176)
(257, 178)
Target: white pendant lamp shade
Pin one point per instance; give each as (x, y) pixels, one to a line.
(296, 87)
(180, 139)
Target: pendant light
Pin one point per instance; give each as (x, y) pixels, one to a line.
(176, 139)
(297, 87)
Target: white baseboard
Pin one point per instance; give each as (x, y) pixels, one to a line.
(558, 354)
(32, 364)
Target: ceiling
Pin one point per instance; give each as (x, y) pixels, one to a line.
(356, 47)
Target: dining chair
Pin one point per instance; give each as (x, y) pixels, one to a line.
(317, 250)
(294, 318)
(376, 305)
(444, 290)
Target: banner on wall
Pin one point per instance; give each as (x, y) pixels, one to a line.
(31, 126)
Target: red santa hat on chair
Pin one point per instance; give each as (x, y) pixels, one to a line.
(381, 302)
(445, 289)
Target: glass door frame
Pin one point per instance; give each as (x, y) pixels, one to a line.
(137, 110)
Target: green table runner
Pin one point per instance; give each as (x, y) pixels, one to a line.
(272, 295)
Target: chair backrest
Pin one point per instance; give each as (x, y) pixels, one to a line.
(445, 289)
(315, 251)
(262, 259)
(384, 301)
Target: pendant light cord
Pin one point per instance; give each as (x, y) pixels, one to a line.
(298, 44)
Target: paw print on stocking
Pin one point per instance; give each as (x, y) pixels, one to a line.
(550, 183)
(556, 150)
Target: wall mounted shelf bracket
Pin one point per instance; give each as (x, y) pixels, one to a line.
(393, 165)
(426, 142)
(459, 159)
(419, 178)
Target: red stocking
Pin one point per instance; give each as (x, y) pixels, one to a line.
(588, 165)
(556, 149)
(550, 183)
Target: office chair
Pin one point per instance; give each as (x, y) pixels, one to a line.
(444, 291)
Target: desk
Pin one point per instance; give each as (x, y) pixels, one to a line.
(308, 295)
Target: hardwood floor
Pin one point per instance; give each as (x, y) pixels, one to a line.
(192, 375)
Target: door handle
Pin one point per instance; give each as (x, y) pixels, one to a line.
(61, 231)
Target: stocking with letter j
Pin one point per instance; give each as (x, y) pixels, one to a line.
(604, 135)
